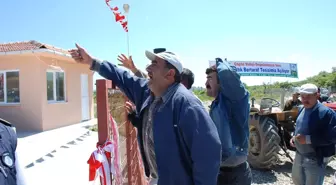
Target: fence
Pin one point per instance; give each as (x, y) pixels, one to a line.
(332, 89)
(111, 101)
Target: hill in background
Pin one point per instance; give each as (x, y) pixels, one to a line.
(323, 79)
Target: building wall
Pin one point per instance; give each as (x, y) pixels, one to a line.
(25, 115)
(34, 112)
(61, 114)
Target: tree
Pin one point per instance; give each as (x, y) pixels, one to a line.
(265, 87)
(333, 69)
(323, 73)
(331, 80)
(286, 85)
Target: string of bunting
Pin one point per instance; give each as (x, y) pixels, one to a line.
(116, 161)
(104, 162)
(99, 163)
(119, 17)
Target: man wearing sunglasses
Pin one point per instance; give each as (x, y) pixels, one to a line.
(179, 138)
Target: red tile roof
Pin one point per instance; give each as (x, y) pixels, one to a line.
(28, 45)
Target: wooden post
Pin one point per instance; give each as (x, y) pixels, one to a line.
(103, 109)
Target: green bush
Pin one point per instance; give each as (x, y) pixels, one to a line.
(201, 94)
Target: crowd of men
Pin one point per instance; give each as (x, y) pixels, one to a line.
(181, 143)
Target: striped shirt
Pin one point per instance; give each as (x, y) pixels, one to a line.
(147, 121)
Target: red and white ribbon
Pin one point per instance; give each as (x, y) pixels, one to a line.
(99, 163)
(118, 16)
(115, 163)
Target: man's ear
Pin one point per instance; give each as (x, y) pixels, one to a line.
(170, 73)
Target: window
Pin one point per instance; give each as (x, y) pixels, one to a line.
(9, 87)
(55, 86)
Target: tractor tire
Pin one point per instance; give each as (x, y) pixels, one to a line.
(264, 142)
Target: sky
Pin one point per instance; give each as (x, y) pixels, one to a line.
(300, 31)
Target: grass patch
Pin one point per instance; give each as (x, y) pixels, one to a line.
(95, 110)
(94, 128)
(201, 94)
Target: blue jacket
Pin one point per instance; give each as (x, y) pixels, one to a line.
(230, 112)
(322, 129)
(186, 142)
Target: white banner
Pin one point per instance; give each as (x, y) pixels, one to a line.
(256, 68)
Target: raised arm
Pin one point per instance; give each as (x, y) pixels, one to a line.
(230, 83)
(128, 63)
(140, 74)
(135, 88)
(201, 137)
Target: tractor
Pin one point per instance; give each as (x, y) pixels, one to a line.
(330, 100)
(331, 105)
(270, 131)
